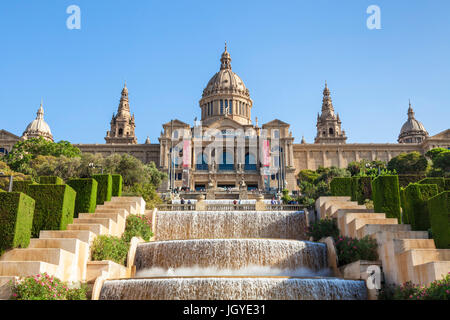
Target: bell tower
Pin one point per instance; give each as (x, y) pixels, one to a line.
(328, 123)
(122, 124)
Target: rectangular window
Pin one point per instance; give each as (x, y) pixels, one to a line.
(231, 106)
(221, 106)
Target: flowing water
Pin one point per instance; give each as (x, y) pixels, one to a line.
(236, 255)
(173, 225)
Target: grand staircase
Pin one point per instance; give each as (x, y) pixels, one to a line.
(65, 254)
(406, 255)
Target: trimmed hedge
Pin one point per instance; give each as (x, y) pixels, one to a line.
(341, 187)
(439, 208)
(55, 205)
(22, 186)
(50, 180)
(416, 208)
(440, 182)
(104, 189)
(361, 189)
(405, 218)
(386, 196)
(405, 179)
(86, 199)
(16, 220)
(117, 183)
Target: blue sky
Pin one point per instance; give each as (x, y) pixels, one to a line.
(168, 50)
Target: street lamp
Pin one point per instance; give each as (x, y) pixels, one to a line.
(2, 175)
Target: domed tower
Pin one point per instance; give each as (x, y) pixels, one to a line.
(38, 127)
(226, 96)
(412, 131)
(329, 124)
(122, 124)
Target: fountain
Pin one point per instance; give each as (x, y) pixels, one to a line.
(237, 255)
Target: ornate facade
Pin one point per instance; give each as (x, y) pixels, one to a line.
(226, 108)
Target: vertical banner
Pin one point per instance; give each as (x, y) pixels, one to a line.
(266, 153)
(186, 153)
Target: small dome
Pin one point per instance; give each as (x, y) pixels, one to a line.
(38, 127)
(412, 130)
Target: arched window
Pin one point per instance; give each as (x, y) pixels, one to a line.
(331, 131)
(250, 162)
(226, 161)
(120, 132)
(3, 151)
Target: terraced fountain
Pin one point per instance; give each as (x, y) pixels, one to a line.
(232, 255)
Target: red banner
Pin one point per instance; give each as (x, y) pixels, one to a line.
(266, 154)
(186, 153)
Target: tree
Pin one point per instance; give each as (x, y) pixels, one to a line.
(412, 163)
(6, 170)
(365, 167)
(23, 152)
(440, 158)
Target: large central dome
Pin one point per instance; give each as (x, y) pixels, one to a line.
(225, 95)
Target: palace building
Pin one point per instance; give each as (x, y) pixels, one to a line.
(226, 108)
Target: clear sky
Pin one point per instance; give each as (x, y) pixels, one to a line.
(168, 50)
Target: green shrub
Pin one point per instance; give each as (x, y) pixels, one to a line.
(16, 220)
(416, 208)
(350, 250)
(54, 209)
(341, 186)
(439, 181)
(322, 229)
(104, 188)
(437, 290)
(109, 248)
(405, 179)
(405, 219)
(50, 180)
(137, 226)
(439, 208)
(361, 189)
(447, 184)
(386, 196)
(45, 287)
(22, 186)
(86, 199)
(117, 184)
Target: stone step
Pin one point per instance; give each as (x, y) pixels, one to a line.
(358, 223)
(68, 244)
(106, 222)
(98, 229)
(344, 218)
(130, 207)
(401, 245)
(26, 268)
(50, 255)
(82, 235)
(113, 216)
(114, 270)
(333, 209)
(370, 229)
(122, 212)
(428, 272)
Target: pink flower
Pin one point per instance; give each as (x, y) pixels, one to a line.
(15, 295)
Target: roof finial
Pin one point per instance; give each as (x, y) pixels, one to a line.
(225, 46)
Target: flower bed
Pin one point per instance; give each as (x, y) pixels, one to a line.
(45, 287)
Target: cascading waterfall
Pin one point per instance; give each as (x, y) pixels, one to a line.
(236, 288)
(238, 255)
(172, 225)
(231, 254)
